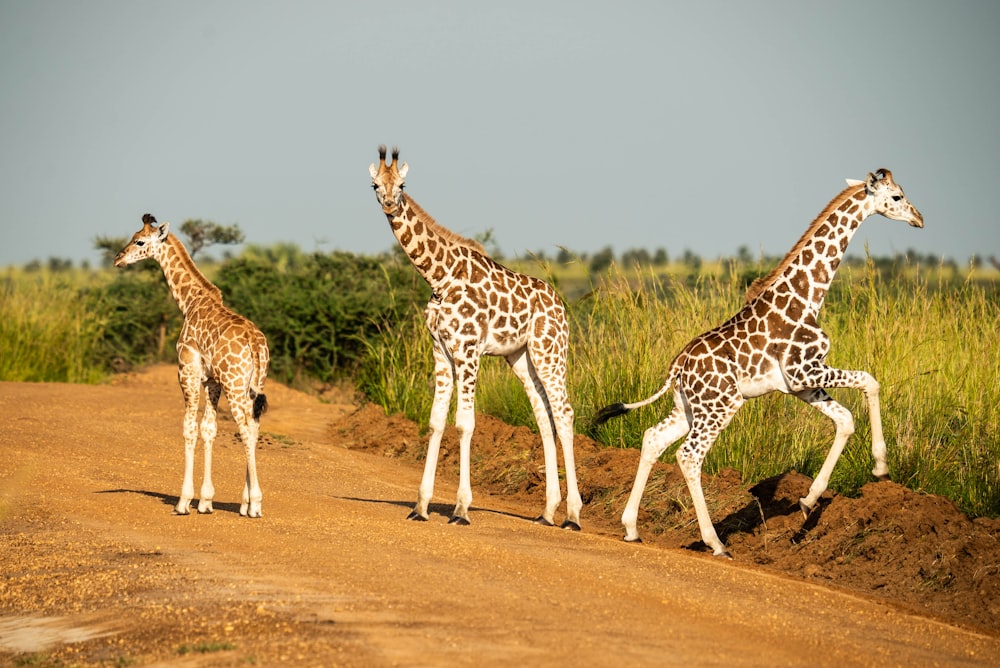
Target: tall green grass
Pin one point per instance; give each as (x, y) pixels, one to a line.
(46, 331)
(933, 348)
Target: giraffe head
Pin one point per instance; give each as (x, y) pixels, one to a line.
(387, 181)
(143, 242)
(889, 198)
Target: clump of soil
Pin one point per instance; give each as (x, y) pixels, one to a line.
(916, 550)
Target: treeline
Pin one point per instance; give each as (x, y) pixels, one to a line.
(604, 258)
(597, 261)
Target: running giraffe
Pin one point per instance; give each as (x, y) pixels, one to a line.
(773, 344)
(217, 349)
(479, 307)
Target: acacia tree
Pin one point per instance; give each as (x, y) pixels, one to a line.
(203, 233)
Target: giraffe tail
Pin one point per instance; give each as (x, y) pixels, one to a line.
(621, 408)
(260, 373)
(259, 404)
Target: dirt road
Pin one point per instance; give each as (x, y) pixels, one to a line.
(97, 569)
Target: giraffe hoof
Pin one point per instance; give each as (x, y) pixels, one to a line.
(637, 540)
(570, 525)
(885, 477)
(459, 521)
(416, 517)
(724, 555)
(542, 521)
(805, 508)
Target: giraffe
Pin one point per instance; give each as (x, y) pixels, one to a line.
(217, 349)
(772, 344)
(479, 307)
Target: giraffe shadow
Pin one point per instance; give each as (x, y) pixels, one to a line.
(442, 509)
(171, 500)
(774, 497)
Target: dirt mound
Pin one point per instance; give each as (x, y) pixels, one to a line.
(916, 550)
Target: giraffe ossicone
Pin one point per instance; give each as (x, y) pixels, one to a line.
(217, 349)
(773, 343)
(479, 307)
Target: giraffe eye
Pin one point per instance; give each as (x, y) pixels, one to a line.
(896, 198)
(140, 243)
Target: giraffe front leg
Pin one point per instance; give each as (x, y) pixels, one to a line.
(208, 431)
(443, 383)
(465, 423)
(191, 388)
(871, 390)
(844, 421)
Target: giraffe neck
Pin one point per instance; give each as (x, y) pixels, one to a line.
(809, 268)
(435, 251)
(187, 284)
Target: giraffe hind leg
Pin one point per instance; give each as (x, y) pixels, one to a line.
(708, 421)
(655, 441)
(521, 364)
(242, 410)
(690, 457)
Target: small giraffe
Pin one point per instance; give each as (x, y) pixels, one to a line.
(218, 349)
(773, 344)
(479, 307)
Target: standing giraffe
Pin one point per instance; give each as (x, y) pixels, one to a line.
(479, 307)
(216, 348)
(772, 344)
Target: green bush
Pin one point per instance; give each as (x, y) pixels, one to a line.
(319, 311)
(140, 320)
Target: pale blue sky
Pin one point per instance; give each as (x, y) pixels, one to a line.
(705, 126)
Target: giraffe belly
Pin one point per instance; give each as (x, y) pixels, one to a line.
(770, 380)
(502, 345)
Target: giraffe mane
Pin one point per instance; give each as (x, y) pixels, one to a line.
(191, 268)
(443, 231)
(762, 284)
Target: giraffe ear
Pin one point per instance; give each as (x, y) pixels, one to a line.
(402, 170)
(164, 229)
(373, 170)
(874, 178)
(853, 182)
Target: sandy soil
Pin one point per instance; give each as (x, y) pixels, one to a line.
(96, 568)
